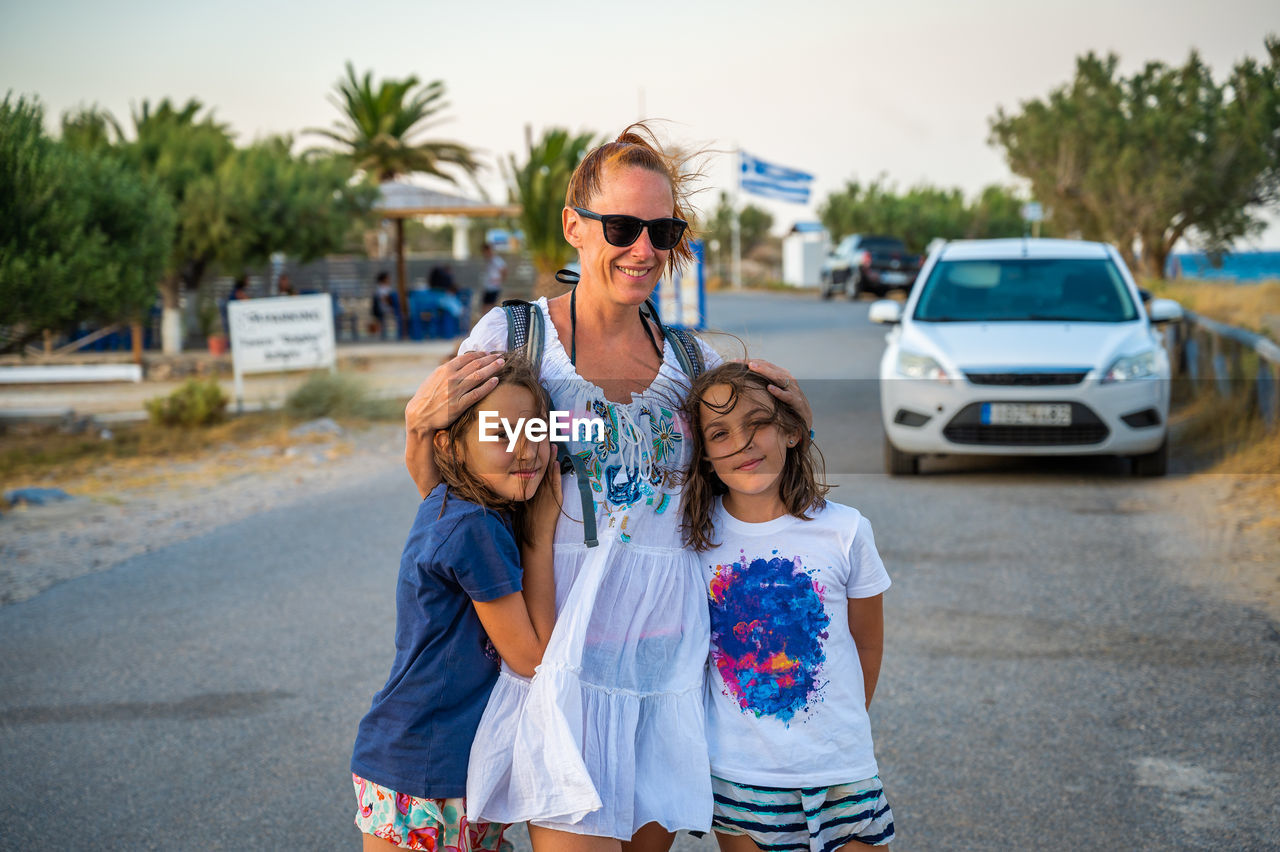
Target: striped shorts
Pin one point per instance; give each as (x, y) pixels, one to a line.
(816, 819)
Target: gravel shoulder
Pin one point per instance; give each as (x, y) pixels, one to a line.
(121, 511)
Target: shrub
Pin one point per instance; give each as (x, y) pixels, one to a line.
(195, 403)
(333, 395)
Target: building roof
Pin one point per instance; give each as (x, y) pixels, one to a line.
(401, 200)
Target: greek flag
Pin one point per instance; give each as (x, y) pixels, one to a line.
(761, 178)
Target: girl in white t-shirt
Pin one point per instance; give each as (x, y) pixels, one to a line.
(797, 628)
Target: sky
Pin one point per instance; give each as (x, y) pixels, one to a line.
(844, 90)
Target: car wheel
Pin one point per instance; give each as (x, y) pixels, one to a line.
(855, 286)
(1154, 463)
(898, 463)
(825, 290)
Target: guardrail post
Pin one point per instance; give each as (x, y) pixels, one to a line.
(1268, 399)
(1221, 370)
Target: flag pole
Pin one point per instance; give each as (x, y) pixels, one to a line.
(736, 228)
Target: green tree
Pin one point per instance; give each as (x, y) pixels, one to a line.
(753, 223)
(921, 214)
(539, 186)
(380, 130)
(91, 129)
(262, 200)
(83, 238)
(1151, 158)
(179, 149)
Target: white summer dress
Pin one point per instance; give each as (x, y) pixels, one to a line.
(610, 733)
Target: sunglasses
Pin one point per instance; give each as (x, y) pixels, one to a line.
(622, 231)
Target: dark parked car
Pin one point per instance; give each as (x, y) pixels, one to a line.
(862, 263)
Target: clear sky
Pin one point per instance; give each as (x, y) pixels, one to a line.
(840, 89)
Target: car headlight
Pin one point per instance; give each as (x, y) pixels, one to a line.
(915, 366)
(1140, 366)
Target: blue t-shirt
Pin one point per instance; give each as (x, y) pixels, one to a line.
(417, 735)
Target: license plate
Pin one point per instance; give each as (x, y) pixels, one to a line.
(894, 277)
(1026, 414)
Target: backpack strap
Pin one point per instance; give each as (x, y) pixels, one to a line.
(525, 330)
(688, 353)
(525, 335)
(568, 462)
(685, 345)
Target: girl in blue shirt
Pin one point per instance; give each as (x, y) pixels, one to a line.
(462, 602)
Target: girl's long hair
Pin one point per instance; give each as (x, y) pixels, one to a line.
(800, 486)
(451, 459)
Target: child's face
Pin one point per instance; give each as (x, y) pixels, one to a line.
(512, 475)
(746, 447)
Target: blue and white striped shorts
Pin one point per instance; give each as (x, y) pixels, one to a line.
(817, 819)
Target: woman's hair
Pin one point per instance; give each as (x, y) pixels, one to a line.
(799, 486)
(638, 147)
(451, 459)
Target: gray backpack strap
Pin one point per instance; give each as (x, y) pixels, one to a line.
(688, 353)
(525, 330)
(579, 468)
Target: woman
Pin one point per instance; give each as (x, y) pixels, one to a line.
(605, 749)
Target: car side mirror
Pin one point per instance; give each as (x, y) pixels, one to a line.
(1164, 310)
(886, 312)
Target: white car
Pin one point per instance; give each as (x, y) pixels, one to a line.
(1025, 347)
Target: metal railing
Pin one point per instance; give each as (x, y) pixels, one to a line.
(1231, 360)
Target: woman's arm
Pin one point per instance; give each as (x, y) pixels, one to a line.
(449, 389)
(866, 625)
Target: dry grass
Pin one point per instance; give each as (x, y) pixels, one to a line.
(141, 455)
(1252, 306)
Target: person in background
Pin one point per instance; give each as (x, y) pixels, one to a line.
(239, 290)
(284, 286)
(495, 274)
(384, 304)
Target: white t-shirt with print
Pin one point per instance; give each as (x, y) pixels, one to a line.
(785, 699)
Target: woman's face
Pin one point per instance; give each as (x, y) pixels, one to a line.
(626, 275)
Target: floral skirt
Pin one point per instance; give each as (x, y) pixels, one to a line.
(437, 825)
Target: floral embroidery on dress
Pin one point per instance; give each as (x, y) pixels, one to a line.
(666, 435)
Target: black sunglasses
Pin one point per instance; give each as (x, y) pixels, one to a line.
(622, 231)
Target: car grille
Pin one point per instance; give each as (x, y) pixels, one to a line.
(1064, 377)
(967, 428)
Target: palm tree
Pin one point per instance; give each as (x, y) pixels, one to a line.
(539, 186)
(381, 129)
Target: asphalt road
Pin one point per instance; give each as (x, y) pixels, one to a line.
(1051, 679)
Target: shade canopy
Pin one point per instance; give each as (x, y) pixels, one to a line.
(399, 200)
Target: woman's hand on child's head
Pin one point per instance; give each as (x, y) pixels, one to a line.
(448, 391)
(785, 387)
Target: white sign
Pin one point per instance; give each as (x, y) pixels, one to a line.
(286, 333)
(1033, 212)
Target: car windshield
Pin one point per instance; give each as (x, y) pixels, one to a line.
(883, 244)
(1024, 290)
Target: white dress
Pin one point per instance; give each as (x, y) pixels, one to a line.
(610, 733)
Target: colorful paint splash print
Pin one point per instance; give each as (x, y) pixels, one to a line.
(767, 627)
